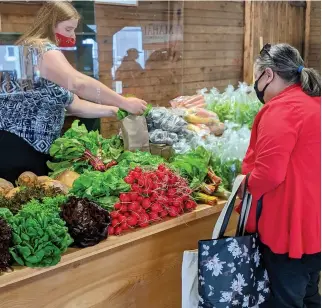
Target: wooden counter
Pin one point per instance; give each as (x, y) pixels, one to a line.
(141, 269)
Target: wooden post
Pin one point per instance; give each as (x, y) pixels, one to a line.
(307, 32)
(248, 43)
(0, 23)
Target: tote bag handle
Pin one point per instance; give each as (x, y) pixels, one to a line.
(226, 212)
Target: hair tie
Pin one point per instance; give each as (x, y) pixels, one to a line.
(300, 68)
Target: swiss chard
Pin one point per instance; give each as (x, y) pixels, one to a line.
(193, 165)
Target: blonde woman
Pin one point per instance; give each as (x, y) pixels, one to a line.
(31, 120)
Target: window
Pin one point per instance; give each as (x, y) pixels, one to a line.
(119, 2)
(10, 53)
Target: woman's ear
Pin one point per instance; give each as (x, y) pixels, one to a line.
(270, 74)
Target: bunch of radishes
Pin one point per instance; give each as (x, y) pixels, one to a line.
(154, 195)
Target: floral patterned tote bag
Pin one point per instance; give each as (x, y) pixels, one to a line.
(190, 295)
(230, 269)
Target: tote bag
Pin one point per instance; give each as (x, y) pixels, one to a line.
(230, 269)
(190, 295)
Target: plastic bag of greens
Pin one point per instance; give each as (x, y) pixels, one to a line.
(160, 136)
(161, 118)
(228, 152)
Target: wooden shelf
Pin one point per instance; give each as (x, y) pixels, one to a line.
(139, 269)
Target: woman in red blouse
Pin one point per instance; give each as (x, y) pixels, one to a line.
(284, 162)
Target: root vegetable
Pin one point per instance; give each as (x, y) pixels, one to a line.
(12, 192)
(68, 178)
(27, 179)
(5, 187)
(43, 179)
(56, 184)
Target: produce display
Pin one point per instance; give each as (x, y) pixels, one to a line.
(154, 195)
(239, 106)
(96, 189)
(79, 150)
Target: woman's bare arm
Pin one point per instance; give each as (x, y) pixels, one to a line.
(84, 109)
(55, 67)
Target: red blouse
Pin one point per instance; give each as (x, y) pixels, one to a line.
(284, 158)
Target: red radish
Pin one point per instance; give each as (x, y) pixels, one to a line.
(129, 179)
(126, 214)
(156, 207)
(190, 205)
(173, 211)
(162, 168)
(114, 214)
(140, 199)
(110, 230)
(160, 175)
(163, 214)
(115, 222)
(122, 218)
(134, 196)
(134, 187)
(118, 231)
(124, 226)
(146, 203)
(154, 216)
(132, 220)
(140, 210)
(123, 208)
(144, 218)
(172, 192)
(117, 206)
(134, 206)
(144, 225)
(177, 203)
(154, 196)
(138, 170)
(125, 198)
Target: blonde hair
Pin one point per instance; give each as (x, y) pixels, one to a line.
(48, 17)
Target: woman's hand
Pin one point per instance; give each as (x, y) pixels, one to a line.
(135, 105)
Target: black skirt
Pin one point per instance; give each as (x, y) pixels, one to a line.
(17, 156)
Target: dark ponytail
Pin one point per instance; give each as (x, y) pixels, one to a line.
(287, 62)
(311, 82)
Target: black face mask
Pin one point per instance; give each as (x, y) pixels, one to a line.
(260, 94)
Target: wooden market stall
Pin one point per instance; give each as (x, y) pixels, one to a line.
(138, 269)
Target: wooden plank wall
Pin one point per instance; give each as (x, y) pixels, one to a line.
(210, 55)
(276, 22)
(314, 50)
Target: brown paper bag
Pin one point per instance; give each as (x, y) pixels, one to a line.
(162, 150)
(135, 133)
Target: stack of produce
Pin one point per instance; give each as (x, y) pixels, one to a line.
(104, 188)
(79, 150)
(187, 102)
(239, 106)
(165, 127)
(39, 236)
(195, 167)
(31, 187)
(5, 241)
(154, 195)
(205, 122)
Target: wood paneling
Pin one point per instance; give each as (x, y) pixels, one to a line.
(314, 36)
(211, 51)
(274, 21)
